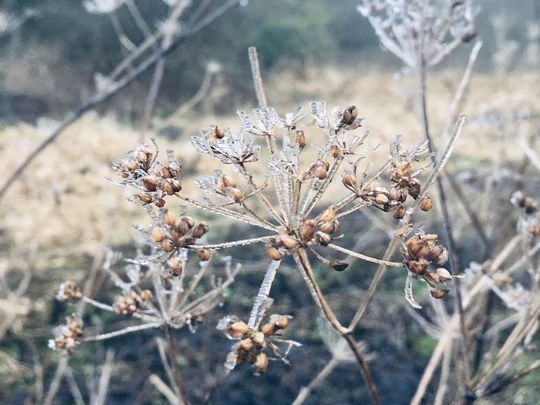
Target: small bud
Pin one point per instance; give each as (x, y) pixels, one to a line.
(426, 204)
(274, 253)
(204, 254)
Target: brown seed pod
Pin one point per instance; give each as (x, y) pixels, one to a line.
(227, 181)
(399, 213)
(145, 198)
(287, 241)
(381, 199)
(350, 182)
(237, 330)
(261, 363)
(339, 266)
(328, 215)
(204, 254)
(167, 245)
(335, 151)
(168, 218)
(160, 203)
(247, 344)
(443, 275)
(300, 139)
(321, 170)
(175, 265)
(268, 329)
(150, 183)
(308, 229)
(439, 293)
(218, 132)
(188, 221)
(426, 204)
(274, 253)
(329, 227)
(236, 195)
(414, 189)
(146, 295)
(157, 234)
(418, 267)
(323, 238)
(176, 186)
(349, 115)
(166, 187)
(280, 321)
(200, 230)
(258, 338)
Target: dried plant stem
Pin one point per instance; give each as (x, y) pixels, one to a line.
(177, 373)
(318, 380)
(129, 329)
(257, 78)
(226, 245)
(104, 95)
(366, 258)
(454, 264)
(164, 389)
(303, 262)
(105, 378)
(445, 373)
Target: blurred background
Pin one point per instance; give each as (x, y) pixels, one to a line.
(60, 217)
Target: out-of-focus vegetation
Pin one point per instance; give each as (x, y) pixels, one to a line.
(58, 221)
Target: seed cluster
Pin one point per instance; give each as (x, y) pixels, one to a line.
(420, 252)
(253, 343)
(171, 235)
(69, 335)
(133, 302)
(152, 179)
(69, 291)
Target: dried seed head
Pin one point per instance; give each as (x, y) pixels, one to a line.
(204, 254)
(146, 296)
(381, 199)
(501, 279)
(200, 230)
(287, 241)
(168, 218)
(439, 254)
(414, 189)
(426, 204)
(69, 291)
(268, 329)
(280, 321)
(218, 132)
(300, 139)
(418, 267)
(274, 253)
(166, 187)
(400, 211)
(187, 221)
(439, 293)
(160, 203)
(237, 330)
(321, 170)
